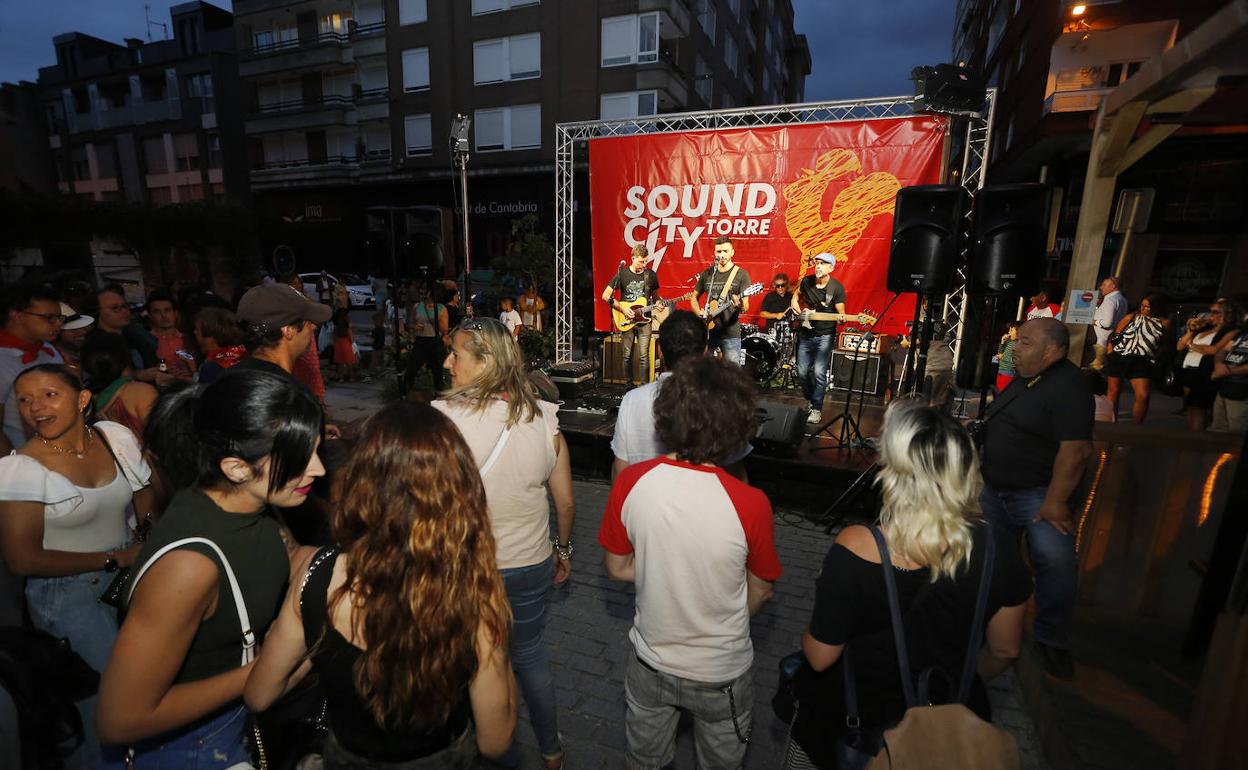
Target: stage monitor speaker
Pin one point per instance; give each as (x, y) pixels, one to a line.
(868, 374)
(927, 221)
(1011, 224)
(780, 428)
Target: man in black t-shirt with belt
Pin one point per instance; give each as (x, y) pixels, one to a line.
(724, 283)
(820, 293)
(634, 282)
(1037, 438)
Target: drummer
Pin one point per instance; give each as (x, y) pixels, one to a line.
(776, 305)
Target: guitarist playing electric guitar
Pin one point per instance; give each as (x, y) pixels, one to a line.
(724, 283)
(637, 286)
(823, 294)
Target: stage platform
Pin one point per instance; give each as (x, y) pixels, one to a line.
(806, 477)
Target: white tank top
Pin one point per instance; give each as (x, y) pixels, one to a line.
(98, 523)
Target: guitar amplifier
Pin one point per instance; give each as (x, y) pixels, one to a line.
(613, 361)
(868, 373)
(848, 341)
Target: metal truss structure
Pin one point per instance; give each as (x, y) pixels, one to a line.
(571, 136)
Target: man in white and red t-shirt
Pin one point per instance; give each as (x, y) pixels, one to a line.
(1041, 307)
(700, 546)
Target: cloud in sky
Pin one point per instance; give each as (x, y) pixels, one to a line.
(867, 49)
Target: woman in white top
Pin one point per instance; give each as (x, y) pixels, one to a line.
(64, 508)
(516, 442)
(1199, 343)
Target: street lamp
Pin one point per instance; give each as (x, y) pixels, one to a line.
(459, 157)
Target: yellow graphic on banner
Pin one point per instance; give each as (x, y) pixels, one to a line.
(864, 199)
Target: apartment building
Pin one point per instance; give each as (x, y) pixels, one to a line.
(153, 122)
(349, 103)
(1052, 62)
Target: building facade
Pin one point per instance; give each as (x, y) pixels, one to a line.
(1053, 61)
(153, 122)
(349, 104)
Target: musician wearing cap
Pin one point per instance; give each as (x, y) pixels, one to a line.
(637, 286)
(818, 294)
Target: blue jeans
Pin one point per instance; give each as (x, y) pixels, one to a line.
(69, 607)
(214, 743)
(1052, 557)
(527, 589)
(817, 351)
(730, 347)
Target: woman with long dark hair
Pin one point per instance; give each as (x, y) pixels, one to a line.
(1134, 351)
(522, 456)
(405, 620)
(64, 501)
(237, 448)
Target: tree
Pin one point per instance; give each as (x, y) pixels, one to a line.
(530, 256)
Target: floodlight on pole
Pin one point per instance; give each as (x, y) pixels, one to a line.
(459, 156)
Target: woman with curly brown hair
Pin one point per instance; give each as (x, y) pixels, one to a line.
(405, 620)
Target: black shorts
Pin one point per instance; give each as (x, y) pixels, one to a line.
(1130, 367)
(1201, 391)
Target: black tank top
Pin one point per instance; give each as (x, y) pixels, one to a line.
(349, 718)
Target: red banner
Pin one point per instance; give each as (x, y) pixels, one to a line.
(782, 194)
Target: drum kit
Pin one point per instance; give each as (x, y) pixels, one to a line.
(771, 355)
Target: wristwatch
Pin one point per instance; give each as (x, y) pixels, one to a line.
(110, 564)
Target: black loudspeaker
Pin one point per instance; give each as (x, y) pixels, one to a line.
(927, 221)
(1011, 226)
(780, 428)
(867, 374)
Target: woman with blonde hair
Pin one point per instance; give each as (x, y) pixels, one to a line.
(521, 454)
(405, 620)
(930, 520)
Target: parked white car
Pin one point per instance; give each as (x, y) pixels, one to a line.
(359, 289)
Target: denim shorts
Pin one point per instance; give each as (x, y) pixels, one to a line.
(722, 714)
(216, 742)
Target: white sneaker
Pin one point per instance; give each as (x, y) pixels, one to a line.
(813, 417)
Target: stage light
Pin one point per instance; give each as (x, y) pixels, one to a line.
(459, 133)
(1078, 10)
(948, 89)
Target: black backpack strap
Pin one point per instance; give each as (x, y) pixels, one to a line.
(981, 610)
(894, 609)
(314, 594)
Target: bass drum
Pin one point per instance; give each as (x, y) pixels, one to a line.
(761, 358)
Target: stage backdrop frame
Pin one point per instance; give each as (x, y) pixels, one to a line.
(976, 143)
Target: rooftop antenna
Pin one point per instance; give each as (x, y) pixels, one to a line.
(147, 15)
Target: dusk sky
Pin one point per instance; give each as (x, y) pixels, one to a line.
(860, 49)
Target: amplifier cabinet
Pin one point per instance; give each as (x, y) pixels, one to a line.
(868, 374)
(613, 361)
(849, 341)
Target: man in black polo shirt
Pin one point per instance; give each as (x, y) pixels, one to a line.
(1037, 437)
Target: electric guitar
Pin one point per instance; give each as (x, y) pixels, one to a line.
(713, 308)
(807, 316)
(642, 311)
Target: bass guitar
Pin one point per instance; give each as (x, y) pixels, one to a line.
(807, 316)
(714, 308)
(641, 311)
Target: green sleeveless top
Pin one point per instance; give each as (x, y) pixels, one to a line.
(254, 547)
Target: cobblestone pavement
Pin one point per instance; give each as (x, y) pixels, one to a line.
(588, 638)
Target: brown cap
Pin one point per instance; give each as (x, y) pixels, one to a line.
(277, 304)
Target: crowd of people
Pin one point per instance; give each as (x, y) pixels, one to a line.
(177, 506)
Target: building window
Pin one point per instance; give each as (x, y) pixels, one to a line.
(214, 151)
(160, 196)
(154, 160)
(493, 6)
(199, 88)
(509, 58)
(704, 83)
(335, 24)
(377, 141)
(105, 161)
(630, 39)
(1119, 72)
(413, 12)
(731, 60)
(419, 132)
(508, 128)
(188, 35)
(706, 18)
(185, 152)
(630, 104)
(415, 69)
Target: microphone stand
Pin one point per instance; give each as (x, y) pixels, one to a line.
(850, 434)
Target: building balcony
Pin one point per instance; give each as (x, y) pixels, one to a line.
(296, 114)
(674, 16)
(128, 115)
(372, 109)
(305, 172)
(326, 49)
(668, 80)
(1079, 100)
